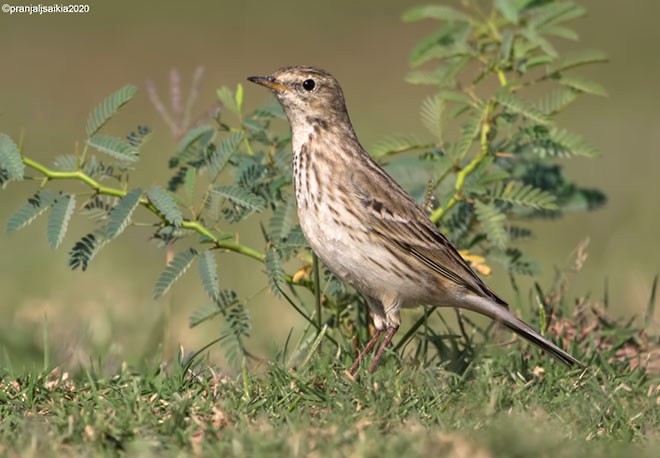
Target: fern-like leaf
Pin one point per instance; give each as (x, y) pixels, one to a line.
(203, 313)
(228, 99)
(509, 10)
(174, 270)
(275, 271)
(241, 197)
(582, 85)
(10, 158)
(431, 115)
(66, 162)
(224, 300)
(555, 101)
(559, 143)
(4, 177)
(194, 135)
(99, 207)
(166, 205)
(515, 104)
(492, 221)
(208, 272)
(282, 220)
(108, 108)
(58, 220)
(115, 147)
(33, 208)
(440, 12)
(525, 195)
(238, 322)
(552, 13)
(396, 144)
(515, 261)
(295, 238)
(576, 60)
(223, 153)
(84, 251)
(120, 215)
(469, 132)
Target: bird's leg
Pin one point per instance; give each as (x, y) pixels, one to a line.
(386, 341)
(365, 351)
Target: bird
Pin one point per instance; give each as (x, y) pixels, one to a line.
(366, 228)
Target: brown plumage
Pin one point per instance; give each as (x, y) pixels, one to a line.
(365, 227)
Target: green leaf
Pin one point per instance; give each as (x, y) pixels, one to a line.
(514, 104)
(492, 221)
(10, 158)
(58, 220)
(450, 40)
(555, 101)
(84, 251)
(223, 302)
(508, 9)
(238, 99)
(227, 99)
(174, 270)
(66, 162)
(506, 47)
(189, 181)
(514, 261)
(4, 178)
(120, 214)
(443, 75)
(208, 272)
(194, 135)
(220, 157)
(295, 238)
(525, 195)
(431, 115)
(561, 32)
(241, 197)
(572, 143)
(99, 207)
(115, 147)
(275, 271)
(396, 144)
(203, 313)
(108, 108)
(576, 60)
(582, 85)
(238, 322)
(35, 206)
(441, 12)
(469, 132)
(538, 41)
(557, 143)
(282, 220)
(555, 13)
(165, 204)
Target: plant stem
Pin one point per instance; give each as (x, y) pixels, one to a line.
(116, 192)
(465, 172)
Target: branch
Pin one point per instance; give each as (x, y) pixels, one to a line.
(465, 172)
(195, 226)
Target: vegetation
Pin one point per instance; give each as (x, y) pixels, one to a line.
(491, 163)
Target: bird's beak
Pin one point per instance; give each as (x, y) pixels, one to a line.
(269, 82)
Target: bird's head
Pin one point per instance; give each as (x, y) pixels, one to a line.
(306, 93)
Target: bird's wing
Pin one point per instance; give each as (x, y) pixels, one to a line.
(391, 214)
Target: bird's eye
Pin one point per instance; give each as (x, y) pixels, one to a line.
(309, 85)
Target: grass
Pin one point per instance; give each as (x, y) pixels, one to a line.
(505, 403)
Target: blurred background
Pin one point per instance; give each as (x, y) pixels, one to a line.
(57, 67)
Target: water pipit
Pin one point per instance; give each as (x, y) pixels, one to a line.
(365, 227)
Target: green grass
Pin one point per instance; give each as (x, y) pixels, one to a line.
(505, 403)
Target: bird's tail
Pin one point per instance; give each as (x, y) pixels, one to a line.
(502, 315)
